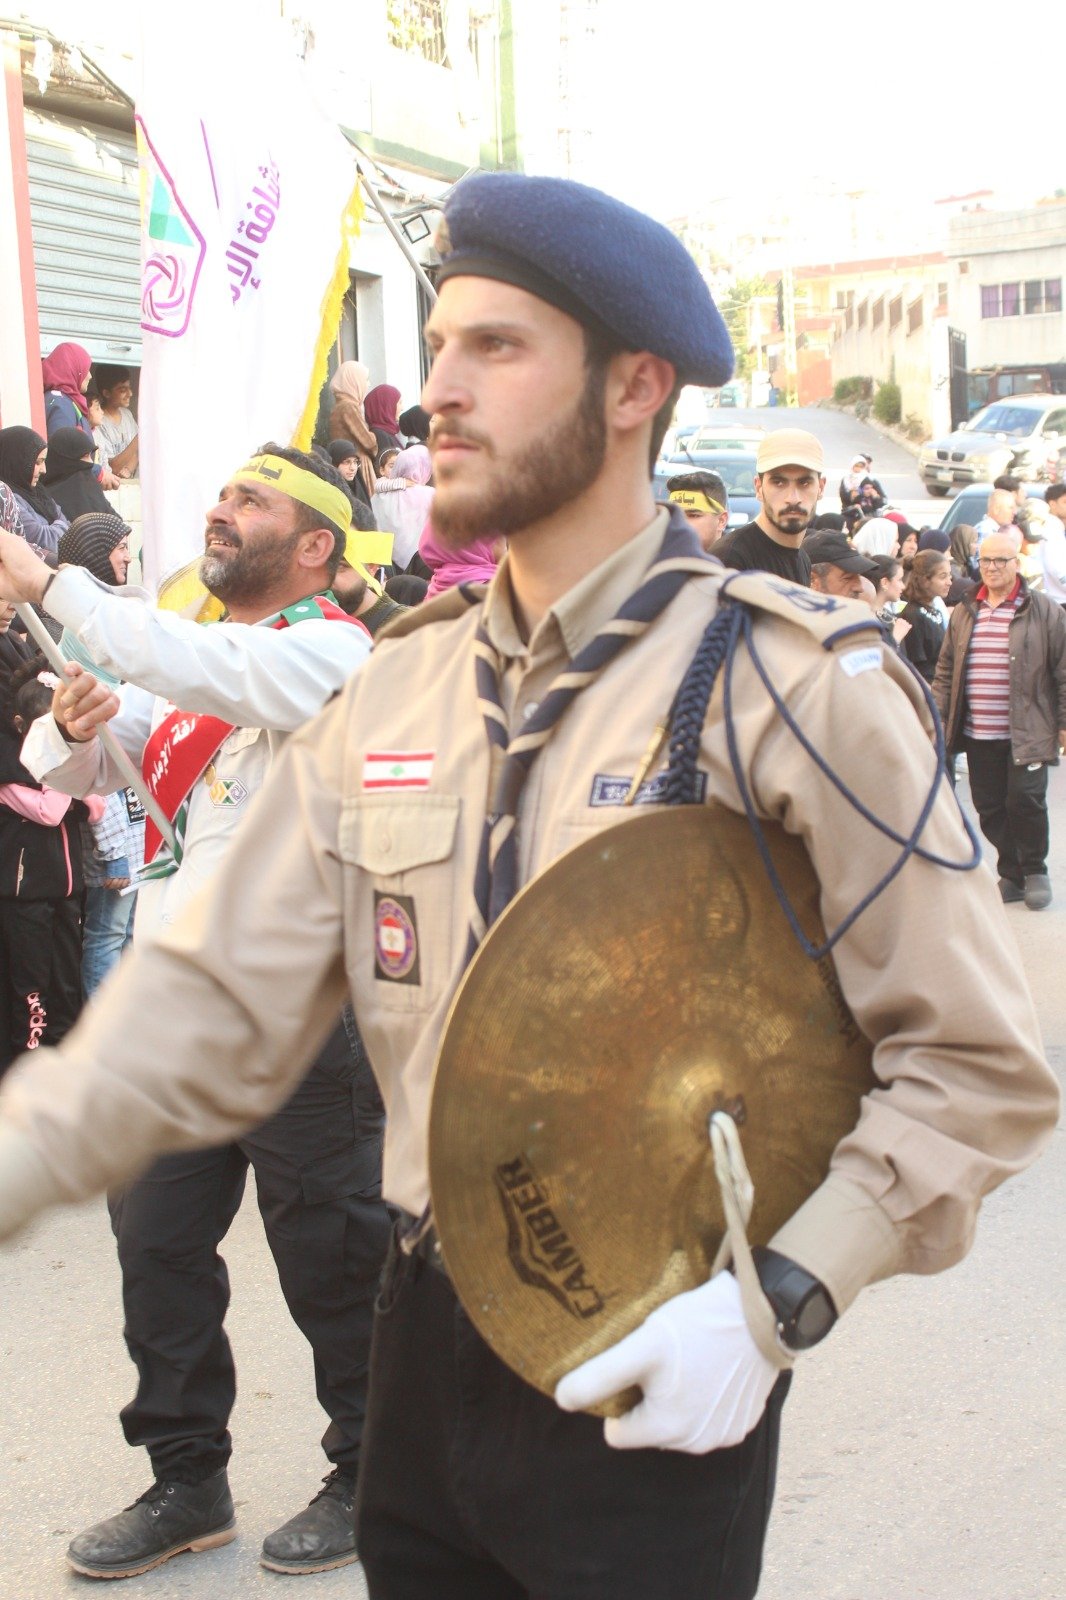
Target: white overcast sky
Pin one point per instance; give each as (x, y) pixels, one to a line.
(707, 98)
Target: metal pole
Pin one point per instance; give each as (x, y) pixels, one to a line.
(133, 778)
(386, 217)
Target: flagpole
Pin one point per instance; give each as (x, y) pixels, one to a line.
(133, 778)
(389, 221)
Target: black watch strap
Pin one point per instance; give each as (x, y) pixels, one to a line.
(804, 1307)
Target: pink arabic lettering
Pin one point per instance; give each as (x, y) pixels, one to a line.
(255, 230)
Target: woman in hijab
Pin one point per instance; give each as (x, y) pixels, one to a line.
(22, 459)
(380, 410)
(962, 552)
(405, 512)
(99, 542)
(345, 456)
(877, 536)
(66, 378)
(347, 421)
(414, 425)
(852, 481)
(69, 475)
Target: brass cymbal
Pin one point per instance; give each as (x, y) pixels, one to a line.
(645, 980)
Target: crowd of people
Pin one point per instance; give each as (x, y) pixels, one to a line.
(54, 493)
(293, 943)
(941, 599)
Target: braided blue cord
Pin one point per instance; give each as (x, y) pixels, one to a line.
(688, 715)
(910, 845)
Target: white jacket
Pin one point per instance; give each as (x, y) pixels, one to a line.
(267, 681)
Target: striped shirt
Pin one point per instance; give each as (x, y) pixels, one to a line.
(988, 668)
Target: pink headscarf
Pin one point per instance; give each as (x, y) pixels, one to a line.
(350, 380)
(66, 369)
(382, 406)
(474, 563)
(414, 464)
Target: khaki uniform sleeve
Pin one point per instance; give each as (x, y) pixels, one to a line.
(965, 1097)
(203, 1034)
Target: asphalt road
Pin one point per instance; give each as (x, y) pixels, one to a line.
(843, 438)
(922, 1441)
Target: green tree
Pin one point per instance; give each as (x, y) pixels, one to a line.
(734, 309)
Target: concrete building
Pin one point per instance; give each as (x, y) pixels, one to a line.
(892, 319)
(1007, 273)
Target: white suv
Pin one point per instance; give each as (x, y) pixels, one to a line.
(1022, 433)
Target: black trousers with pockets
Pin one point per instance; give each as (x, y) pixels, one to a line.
(474, 1486)
(317, 1166)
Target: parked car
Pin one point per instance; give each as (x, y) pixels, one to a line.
(732, 394)
(1023, 435)
(971, 504)
(736, 468)
(720, 436)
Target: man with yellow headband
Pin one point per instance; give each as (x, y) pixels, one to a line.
(272, 547)
(703, 498)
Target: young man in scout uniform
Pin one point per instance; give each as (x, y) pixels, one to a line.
(565, 323)
(205, 712)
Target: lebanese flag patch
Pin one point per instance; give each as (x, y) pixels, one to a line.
(398, 769)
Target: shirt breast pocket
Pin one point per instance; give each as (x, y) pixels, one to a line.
(398, 858)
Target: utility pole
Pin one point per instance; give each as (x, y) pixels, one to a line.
(788, 298)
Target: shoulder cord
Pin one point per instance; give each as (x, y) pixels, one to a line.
(718, 646)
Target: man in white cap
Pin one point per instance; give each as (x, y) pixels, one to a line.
(789, 481)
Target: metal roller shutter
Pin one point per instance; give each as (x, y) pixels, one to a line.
(85, 210)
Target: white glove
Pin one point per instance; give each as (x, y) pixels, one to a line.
(705, 1380)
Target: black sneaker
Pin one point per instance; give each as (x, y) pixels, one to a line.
(1038, 891)
(1010, 892)
(167, 1519)
(320, 1537)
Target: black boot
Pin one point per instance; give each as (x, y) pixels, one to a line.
(167, 1519)
(320, 1537)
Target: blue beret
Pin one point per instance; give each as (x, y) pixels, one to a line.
(602, 262)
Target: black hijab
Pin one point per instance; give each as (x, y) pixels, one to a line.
(70, 479)
(89, 541)
(19, 449)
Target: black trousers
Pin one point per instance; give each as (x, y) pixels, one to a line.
(317, 1167)
(40, 966)
(474, 1486)
(1011, 802)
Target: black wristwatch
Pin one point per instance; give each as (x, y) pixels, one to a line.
(805, 1311)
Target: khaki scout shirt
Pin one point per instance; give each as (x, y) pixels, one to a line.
(338, 882)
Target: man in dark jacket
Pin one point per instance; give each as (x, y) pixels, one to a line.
(1000, 687)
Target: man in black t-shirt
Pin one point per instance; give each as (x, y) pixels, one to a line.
(789, 479)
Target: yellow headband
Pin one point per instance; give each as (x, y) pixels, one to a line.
(695, 500)
(298, 484)
(372, 547)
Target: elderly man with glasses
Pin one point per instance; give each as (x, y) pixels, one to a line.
(1000, 687)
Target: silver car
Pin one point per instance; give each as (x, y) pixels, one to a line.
(1022, 433)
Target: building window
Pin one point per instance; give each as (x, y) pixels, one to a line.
(1012, 299)
(877, 315)
(990, 300)
(849, 317)
(1052, 294)
(417, 26)
(1034, 297)
(895, 312)
(941, 296)
(914, 316)
(860, 315)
